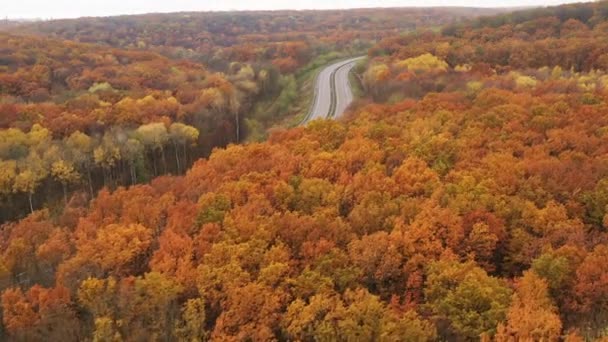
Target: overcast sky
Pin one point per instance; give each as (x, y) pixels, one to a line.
(47, 9)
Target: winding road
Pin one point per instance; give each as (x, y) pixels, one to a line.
(332, 91)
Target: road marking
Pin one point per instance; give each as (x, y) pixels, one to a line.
(334, 97)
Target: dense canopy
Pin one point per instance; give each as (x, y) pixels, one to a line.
(464, 196)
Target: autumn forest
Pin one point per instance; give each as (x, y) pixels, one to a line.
(159, 180)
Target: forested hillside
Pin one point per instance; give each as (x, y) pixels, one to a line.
(84, 116)
(571, 36)
(464, 198)
(288, 39)
(156, 92)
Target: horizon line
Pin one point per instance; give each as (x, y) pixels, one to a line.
(24, 19)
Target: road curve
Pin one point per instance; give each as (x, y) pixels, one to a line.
(328, 103)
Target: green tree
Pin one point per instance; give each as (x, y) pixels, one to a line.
(132, 151)
(191, 327)
(148, 306)
(557, 270)
(473, 302)
(596, 202)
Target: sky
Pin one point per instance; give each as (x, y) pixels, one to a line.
(56, 9)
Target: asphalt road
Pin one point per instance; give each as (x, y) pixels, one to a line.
(334, 76)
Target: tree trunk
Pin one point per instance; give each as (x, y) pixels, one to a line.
(105, 177)
(111, 179)
(121, 173)
(185, 158)
(133, 174)
(162, 154)
(154, 163)
(90, 181)
(29, 197)
(65, 193)
(176, 158)
(238, 129)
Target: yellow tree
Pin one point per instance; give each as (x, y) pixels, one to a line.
(191, 327)
(154, 136)
(8, 173)
(81, 147)
(31, 174)
(107, 156)
(424, 63)
(147, 306)
(181, 134)
(65, 173)
(106, 330)
(375, 77)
